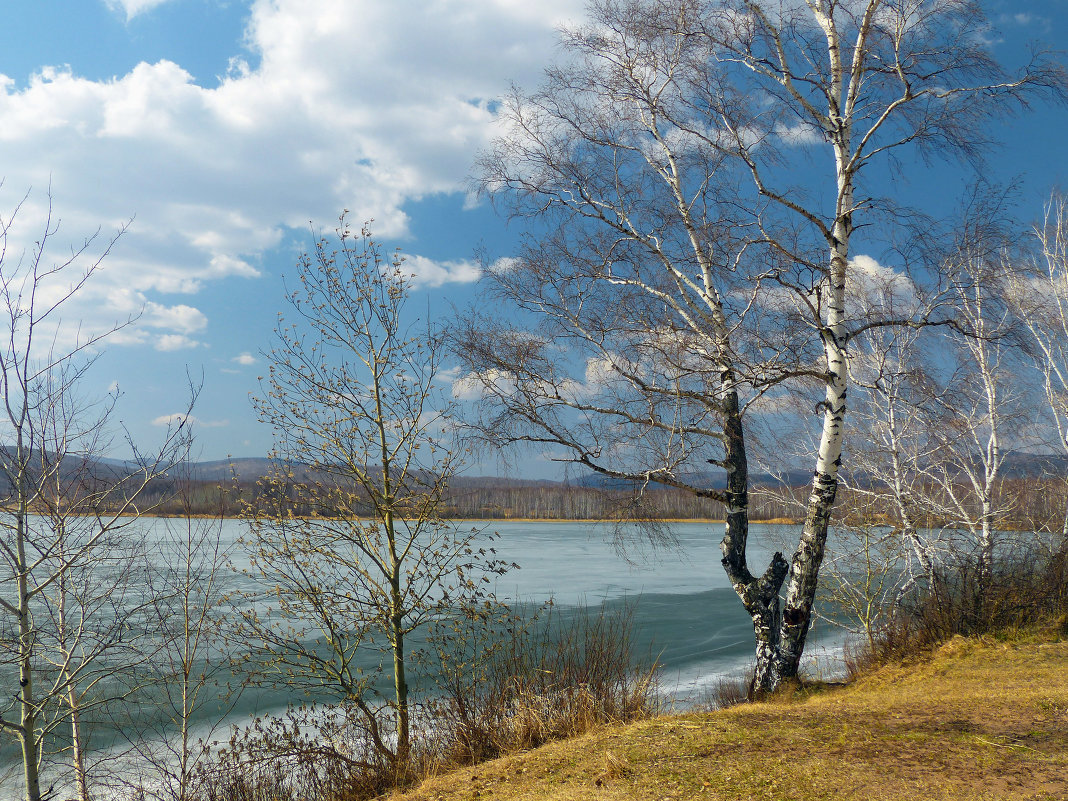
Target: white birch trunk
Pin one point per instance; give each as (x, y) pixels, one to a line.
(805, 565)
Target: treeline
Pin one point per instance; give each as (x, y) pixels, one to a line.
(478, 498)
(1029, 503)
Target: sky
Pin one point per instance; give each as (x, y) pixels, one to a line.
(224, 134)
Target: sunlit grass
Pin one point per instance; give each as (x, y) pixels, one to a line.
(978, 719)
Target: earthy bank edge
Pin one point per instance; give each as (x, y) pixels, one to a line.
(979, 719)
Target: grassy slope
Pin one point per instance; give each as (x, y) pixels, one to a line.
(977, 721)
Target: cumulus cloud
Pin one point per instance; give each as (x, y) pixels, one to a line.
(217, 174)
(245, 358)
(600, 373)
(800, 135)
(448, 376)
(430, 273)
(875, 288)
(168, 342)
(473, 386)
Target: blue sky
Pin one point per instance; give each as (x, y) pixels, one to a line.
(222, 127)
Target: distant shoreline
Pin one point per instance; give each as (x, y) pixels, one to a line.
(775, 521)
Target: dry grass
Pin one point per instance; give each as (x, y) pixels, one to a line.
(506, 686)
(977, 720)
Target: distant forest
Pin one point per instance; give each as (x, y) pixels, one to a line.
(1031, 502)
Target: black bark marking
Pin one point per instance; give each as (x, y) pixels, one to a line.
(793, 617)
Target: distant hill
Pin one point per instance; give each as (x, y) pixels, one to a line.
(1034, 465)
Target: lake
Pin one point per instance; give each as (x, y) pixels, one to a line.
(684, 609)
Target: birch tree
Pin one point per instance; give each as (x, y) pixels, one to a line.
(685, 261)
(937, 410)
(892, 444)
(1041, 301)
(67, 574)
(979, 411)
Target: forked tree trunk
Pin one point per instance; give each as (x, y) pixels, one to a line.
(760, 597)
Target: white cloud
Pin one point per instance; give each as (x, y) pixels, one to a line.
(800, 135)
(504, 265)
(473, 386)
(449, 376)
(178, 419)
(131, 8)
(601, 372)
(873, 287)
(431, 273)
(169, 342)
(216, 174)
(428, 273)
(245, 358)
(181, 318)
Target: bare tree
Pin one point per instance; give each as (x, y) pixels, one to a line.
(865, 571)
(1041, 301)
(978, 411)
(190, 678)
(892, 443)
(353, 550)
(939, 410)
(66, 594)
(684, 264)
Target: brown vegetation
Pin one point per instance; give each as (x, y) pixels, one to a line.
(1038, 503)
(505, 686)
(977, 719)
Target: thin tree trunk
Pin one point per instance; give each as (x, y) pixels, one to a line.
(81, 780)
(400, 682)
(28, 711)
(1064, 527)
(986, 557)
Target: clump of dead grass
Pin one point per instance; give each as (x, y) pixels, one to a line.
(730, 690)
(558, 676)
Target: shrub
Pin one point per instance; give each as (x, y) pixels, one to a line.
(1026, 588)
(503, 684)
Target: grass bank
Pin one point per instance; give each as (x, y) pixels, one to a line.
(976, 719)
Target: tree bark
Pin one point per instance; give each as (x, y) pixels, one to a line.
(760, 597)
(805, 565)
